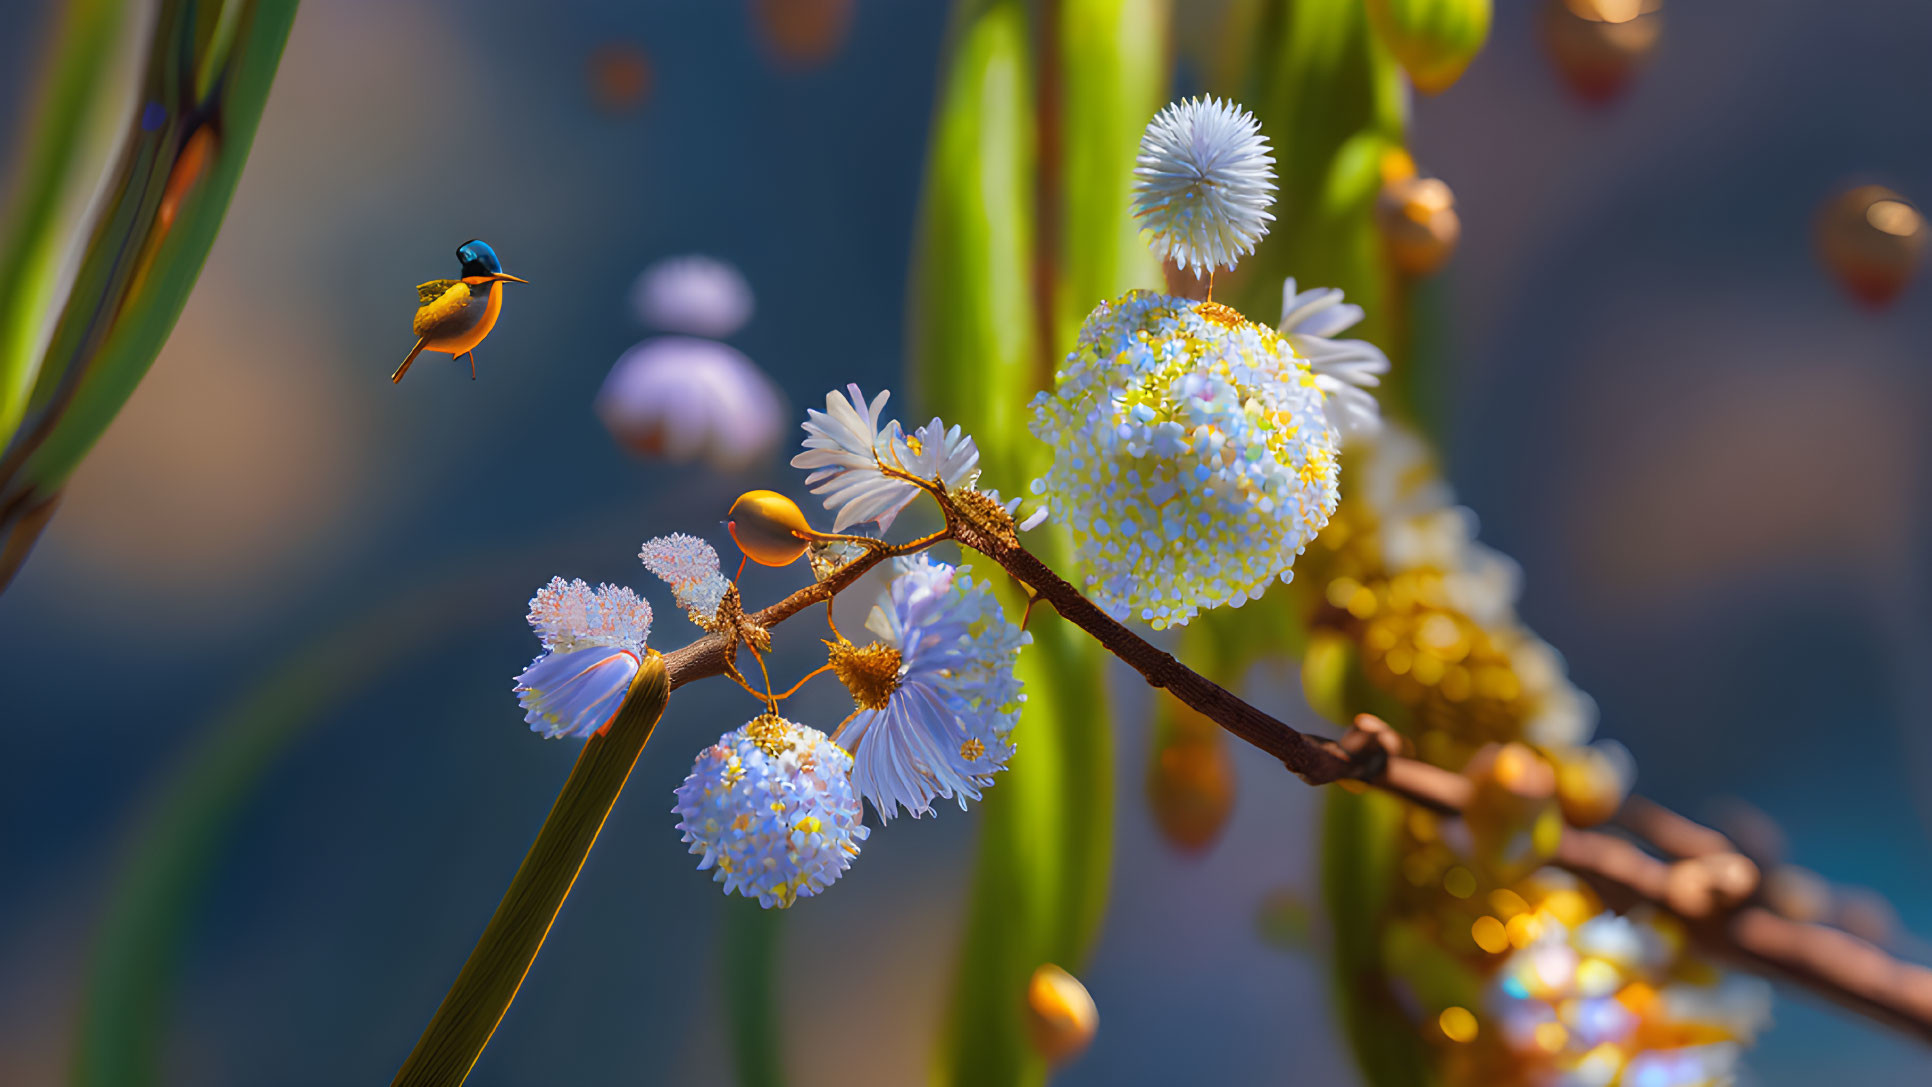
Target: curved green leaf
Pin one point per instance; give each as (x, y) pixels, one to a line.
(207, 78)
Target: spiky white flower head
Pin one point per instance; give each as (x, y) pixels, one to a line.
(770, 807)
(1192, 458)
(686, 399)
(1611, 997)
(1203, 184)
(690, 566)
(847, 442)
(1344, 369)
(937, 695)
(696, 295)
(593, 642)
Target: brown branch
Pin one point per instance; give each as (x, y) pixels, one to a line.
(1709, 887)
(1713, 891)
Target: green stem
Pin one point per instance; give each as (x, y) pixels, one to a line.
(489, 981)
(750, 957)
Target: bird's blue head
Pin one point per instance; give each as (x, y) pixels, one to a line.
(478, 258)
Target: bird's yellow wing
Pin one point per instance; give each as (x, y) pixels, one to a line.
(434, 289)
(442, 299)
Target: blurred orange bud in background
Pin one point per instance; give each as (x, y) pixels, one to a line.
(1871, 239)
(1060, 1015)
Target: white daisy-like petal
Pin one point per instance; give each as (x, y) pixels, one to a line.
(1344, 369)
(1203, 183)
(845, 447)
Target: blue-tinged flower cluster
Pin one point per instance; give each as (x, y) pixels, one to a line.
(690, 566)
(593, 643)
(937, 695)
(1193, 459)
(770, 807)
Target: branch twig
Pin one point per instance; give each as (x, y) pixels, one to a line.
(1734, 926)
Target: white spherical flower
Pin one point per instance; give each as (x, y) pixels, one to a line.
(770, 808)
(1344, 369)
(1203, 183)
(695, 295)
(1192, 457)
(687, 399)
(937, 695)
(848, 444)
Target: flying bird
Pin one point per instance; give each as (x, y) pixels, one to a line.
(454, 315)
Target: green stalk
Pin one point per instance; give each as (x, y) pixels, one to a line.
(208, 73)
(750, 956)
(489, 981)
(72, 105)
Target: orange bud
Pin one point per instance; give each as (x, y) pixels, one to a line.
(619, 75)
(769, 528)
(1591, 783)
(1512, 816)
(1420, 228)
(1190, 779)
(1060, 1015)
(1872, 240)
(1598, 44)
(804, 32)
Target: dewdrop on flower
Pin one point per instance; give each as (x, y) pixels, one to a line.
(771, 810)
(847, 447)
(1193, 457)
(690, 566)
(1203, 184)
(937, 695)
(593, 643)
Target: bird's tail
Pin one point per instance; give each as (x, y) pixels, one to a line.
(413, 352)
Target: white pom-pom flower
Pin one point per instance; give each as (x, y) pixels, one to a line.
(1203, 184)
(1192, 457)
(1344, 369)
(770, 807)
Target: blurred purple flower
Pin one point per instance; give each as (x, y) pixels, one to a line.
(695, 295)
(687, 399)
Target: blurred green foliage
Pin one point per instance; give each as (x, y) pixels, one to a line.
(206, 78)
(1025, 227)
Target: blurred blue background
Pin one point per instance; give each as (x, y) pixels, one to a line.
(1706, 458)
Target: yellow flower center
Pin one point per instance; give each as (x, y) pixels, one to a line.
(772, 733)
(971, 750)
(871, 673)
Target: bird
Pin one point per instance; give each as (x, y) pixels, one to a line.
(454, 315)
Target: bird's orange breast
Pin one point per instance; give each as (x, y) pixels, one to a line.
(464, 329)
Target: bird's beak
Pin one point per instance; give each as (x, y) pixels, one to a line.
(505, 275)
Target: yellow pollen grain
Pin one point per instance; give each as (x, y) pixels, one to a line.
(772, 733)
(971, 750)
(1490, 935)
(871, 673)
(809, 825)
(915, 445)
(1458, 1023)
